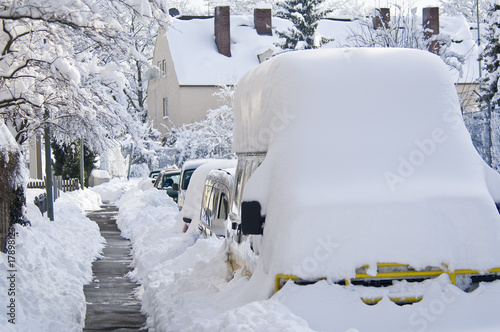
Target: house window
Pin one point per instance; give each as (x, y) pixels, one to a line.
(164, 68)
(165, 107)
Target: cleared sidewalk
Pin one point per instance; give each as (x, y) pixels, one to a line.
(111, 305)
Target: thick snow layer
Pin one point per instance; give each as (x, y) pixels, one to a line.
(112, 191)
(52, 263)
(192, 289)
(392, 177)
(192, 46)
(7, 141)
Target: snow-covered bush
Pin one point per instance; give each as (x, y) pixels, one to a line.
(11, 184)
(403, 31)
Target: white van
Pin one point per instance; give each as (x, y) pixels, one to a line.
(186, 172)
(394, 189)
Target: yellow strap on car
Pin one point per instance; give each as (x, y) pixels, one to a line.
(281, 279)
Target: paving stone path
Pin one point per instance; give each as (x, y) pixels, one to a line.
(111, 305)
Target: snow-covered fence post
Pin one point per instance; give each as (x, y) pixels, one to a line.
(11, 185)
(57, 186)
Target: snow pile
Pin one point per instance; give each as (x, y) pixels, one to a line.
(146, 217)
(192, 47)
(8, 143)
(399, 180)
(113, 190)
(52, 263)
(192, 289)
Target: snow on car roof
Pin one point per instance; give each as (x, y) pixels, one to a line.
(194, 194)
(393, 177)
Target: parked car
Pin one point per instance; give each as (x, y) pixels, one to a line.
(186, 172)
(215, 203)
(397, 191)
(190, 213)
(166, 181)
(154, 173)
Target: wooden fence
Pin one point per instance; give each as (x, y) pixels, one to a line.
(58, 184)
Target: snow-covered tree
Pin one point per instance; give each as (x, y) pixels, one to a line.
(467, 8)
(491, 63)
(246, 6)
(11, 184)
(50, 73)
(305, 16)
(349, 8)
(209, 138)
(406, 32)
(489, 93)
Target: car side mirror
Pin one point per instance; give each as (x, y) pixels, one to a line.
(175, 186)
(252, 222)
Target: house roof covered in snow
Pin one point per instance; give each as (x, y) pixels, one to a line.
(198, 62)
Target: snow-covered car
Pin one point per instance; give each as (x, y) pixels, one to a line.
(166, 181)
(154, 173)
(190, 213)
(215, 202)
(398, 191)
(186, 172)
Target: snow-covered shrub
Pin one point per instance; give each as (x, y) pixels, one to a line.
(11, 184)
(209, 138)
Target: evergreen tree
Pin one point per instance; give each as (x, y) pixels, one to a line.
(489, 82)
(488, 88)
(67, 161)
(305, 16)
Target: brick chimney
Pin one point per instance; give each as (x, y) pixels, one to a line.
(430, 23)
(222, 30)
(382, 18)
(262, 21)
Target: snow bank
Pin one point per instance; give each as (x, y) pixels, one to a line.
(112, 191)
(52, 262)
(393, 175)
(193, 290)
(146, 217)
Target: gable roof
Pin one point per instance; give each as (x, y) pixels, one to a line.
(198, 63)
